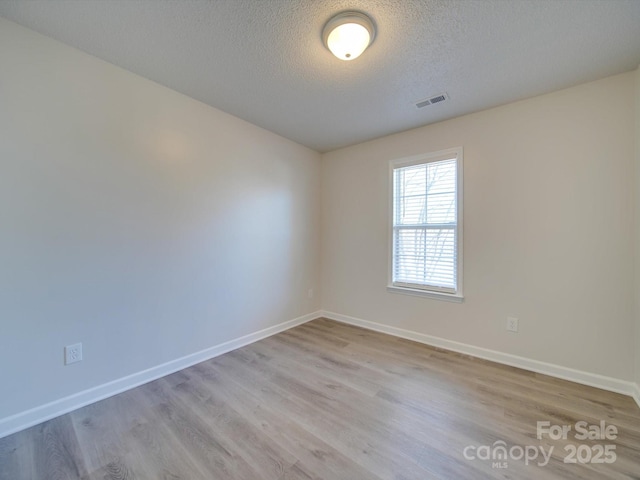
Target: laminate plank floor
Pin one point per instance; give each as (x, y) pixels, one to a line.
(331, 401)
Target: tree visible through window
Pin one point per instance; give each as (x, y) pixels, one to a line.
(425, 252)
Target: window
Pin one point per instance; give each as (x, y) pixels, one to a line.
(426, 231)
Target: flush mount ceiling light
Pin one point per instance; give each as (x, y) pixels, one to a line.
(348, 34)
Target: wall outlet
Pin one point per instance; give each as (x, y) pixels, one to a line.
(72, 353)
(310, 293)
(512, 324)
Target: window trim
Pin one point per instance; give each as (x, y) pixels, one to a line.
(429, 292)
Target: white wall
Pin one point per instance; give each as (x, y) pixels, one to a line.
(137, 221)
(548, 223)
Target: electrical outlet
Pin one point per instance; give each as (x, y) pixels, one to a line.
(512, 324)
(310, 293)
(72, 353)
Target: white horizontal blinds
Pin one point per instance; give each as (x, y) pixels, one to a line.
(425, 225)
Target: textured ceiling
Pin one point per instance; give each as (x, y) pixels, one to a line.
(263, 60)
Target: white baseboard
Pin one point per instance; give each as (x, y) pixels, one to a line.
(636, 393)
(558, 371)
(34, 416)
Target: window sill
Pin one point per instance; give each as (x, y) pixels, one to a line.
(447, 297)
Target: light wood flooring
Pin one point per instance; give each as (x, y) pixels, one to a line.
(328, 401)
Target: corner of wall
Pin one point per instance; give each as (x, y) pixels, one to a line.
(637, 239)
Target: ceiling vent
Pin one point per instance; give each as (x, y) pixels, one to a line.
(430, 101)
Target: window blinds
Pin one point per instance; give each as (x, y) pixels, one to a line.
(425, 226)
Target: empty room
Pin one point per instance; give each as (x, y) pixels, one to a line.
(309, 239)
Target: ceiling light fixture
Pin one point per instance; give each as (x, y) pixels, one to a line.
(348, 34)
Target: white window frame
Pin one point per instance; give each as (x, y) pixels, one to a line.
(427, 290)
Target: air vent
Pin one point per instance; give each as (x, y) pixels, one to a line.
(430, 101)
